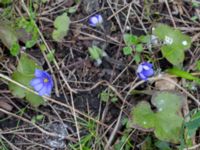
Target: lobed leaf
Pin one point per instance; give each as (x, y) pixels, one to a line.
(165, 121)
(61, 24)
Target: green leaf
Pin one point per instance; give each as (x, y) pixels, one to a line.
(95, 52)
(24, 74)
(72, 10)
(130, 39)
(181, 73)
(27, 65)
(139, 48)
(127, 50)
(137, 58)
(114, 99)
(14, 50)
(61, 24)
(5, 1)
(175, 42)
(143, 116)
(50, 55)
(174, 56)
(37, 118)
(15, 89)
(168, 101)
(33, 99)
(104, 96)
(145, 38)
(165, 121)
(193, 124)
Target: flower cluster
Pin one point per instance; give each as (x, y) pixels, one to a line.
(42, 83)
(145, 70)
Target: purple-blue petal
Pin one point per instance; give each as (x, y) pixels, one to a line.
(148, 73)
(49, 88)
(145, 70)
(35, 81)
(141, 76)
(39, 73)
(43, 91)
(38, 87)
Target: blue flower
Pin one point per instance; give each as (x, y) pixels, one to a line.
(42, 83)
(145, 70)
(95, 20)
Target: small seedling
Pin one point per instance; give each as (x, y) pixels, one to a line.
(96, 54)
(37, 118)
(135, 44)
(106, 96)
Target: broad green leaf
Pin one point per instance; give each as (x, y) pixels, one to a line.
(167, 101)
(130, 39)
(165, 121)
(15, 89)
(175, 42)
(127, 50)
(34, 99)
(174, 56)
(27, 65)
(168, 126)
(61, 25)
(143, 116)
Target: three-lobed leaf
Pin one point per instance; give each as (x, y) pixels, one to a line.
(165, 121)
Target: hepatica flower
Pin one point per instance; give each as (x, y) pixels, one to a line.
(95, 20)
(42, 83)
(145, 70)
